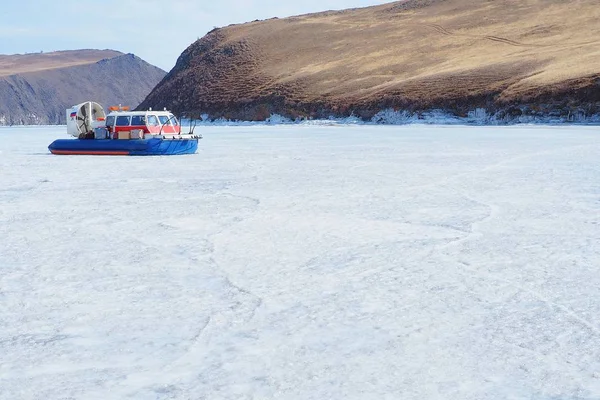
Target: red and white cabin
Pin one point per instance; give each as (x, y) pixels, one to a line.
(121, 121)
(89, 118)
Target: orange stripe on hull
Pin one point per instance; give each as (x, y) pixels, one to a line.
(89, 153)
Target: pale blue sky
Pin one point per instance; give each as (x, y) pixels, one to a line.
(155, 30)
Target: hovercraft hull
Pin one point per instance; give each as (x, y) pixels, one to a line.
(132, 147)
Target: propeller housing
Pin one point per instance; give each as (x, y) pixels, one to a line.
(84, 118)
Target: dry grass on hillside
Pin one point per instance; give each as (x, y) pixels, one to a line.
(376, 49)
(424, 53)
(34, 62)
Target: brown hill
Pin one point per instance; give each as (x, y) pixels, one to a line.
(508, 56)
(37, 88)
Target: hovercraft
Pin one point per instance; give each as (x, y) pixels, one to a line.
(123, 133)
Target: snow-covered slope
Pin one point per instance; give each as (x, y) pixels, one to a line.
(304, 262)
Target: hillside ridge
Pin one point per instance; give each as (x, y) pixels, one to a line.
(31, 62)
(40, 92)
(537, 57)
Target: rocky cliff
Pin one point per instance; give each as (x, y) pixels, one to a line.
(509, 57)
(37, 88)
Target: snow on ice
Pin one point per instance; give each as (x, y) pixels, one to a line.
(304, 262)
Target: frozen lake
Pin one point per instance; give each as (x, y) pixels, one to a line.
(305, 262)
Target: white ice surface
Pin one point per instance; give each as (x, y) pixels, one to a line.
(304, 262)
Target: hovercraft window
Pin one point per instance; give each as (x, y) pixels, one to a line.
(174, 121)
(122, 120)
(164, 120)
(110, 120)
(138, 120)
(152, 120)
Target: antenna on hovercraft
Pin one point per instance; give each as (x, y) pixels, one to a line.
(193, 127)
(193, 121)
